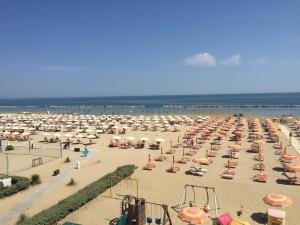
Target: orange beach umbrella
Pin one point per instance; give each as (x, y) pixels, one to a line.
(192, 215)
(277, 200)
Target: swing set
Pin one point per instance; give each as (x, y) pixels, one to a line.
(132, 186)
(193, 202)
(159, 214)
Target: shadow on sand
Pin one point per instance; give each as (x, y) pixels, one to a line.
(283, 181)
(278, 169)
(259, 217)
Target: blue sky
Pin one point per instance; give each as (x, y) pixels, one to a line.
(112, 48)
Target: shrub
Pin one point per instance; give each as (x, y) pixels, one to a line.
(21, 219)
(56, 172)
(67, 160)
(35, 179)
(70, 204)
(9, 148)
(18, 184)
(71, 182)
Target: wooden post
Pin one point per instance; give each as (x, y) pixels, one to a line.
(60, 145)
(7, 164)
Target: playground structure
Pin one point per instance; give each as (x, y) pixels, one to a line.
(134, 211)
(195, 202)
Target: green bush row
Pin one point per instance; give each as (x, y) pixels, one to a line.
(68, 205)
(18, 184)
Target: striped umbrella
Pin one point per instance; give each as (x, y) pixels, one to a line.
(288, 157)
(201, 160)
(293, 168)
(277, 200)
(192, 215)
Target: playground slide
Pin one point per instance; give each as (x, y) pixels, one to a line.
(123, 219)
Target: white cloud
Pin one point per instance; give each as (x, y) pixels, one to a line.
(261, 61)
(233, 60)
(201, 60)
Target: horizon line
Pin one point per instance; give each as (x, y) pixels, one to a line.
(162, 95)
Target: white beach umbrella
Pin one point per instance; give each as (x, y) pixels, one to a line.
(159, 140)
(144, 138)
(91, 136)
(130, 138)
(117, 137)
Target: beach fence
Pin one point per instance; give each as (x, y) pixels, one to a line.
(27, 155)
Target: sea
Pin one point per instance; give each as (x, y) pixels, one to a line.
(276, 104)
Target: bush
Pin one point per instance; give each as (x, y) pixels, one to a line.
(56, 172)
(35, 179)
(71, 182)
(18, 184)
(21, 219)
(9, 148)
(67, 160)
(70, 204)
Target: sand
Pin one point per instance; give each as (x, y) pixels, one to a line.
(158, 185)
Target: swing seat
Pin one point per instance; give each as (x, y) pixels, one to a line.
(158, 221)
(149, 220)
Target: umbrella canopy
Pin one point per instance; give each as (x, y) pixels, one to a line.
(288, 157)
(293, 168)
(144, 139)
(277, 200)
(117, 137)
(201, 160)
(130, 138)
(159, 140)
(192, 215)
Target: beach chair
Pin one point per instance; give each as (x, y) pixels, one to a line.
(238, 222)
(227, 175)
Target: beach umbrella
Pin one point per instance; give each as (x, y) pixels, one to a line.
(79, 136)
(293, 168)
(159, 140)
(288, 157)
(68, 135)
(117, 137)
(91, 136)
(192, 215)
(150, 165)
(130, 138)
(201, 160)
(144, 139)
(277, 200)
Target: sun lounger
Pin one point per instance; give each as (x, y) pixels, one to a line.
(194, 173)
(227, 176)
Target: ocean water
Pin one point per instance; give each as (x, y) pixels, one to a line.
(253, 104)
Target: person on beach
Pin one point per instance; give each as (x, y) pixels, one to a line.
(291, 135)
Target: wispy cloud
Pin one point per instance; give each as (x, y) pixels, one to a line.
(208, 60)
(201, 60)
(61, 68)
(261, 61)
(233, 60)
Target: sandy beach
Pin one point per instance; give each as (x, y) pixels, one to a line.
(157, 185)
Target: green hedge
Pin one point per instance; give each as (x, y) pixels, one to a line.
(18, 184)
(68, 205)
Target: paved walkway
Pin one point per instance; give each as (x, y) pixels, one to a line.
(295, 143)
(20, 208)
